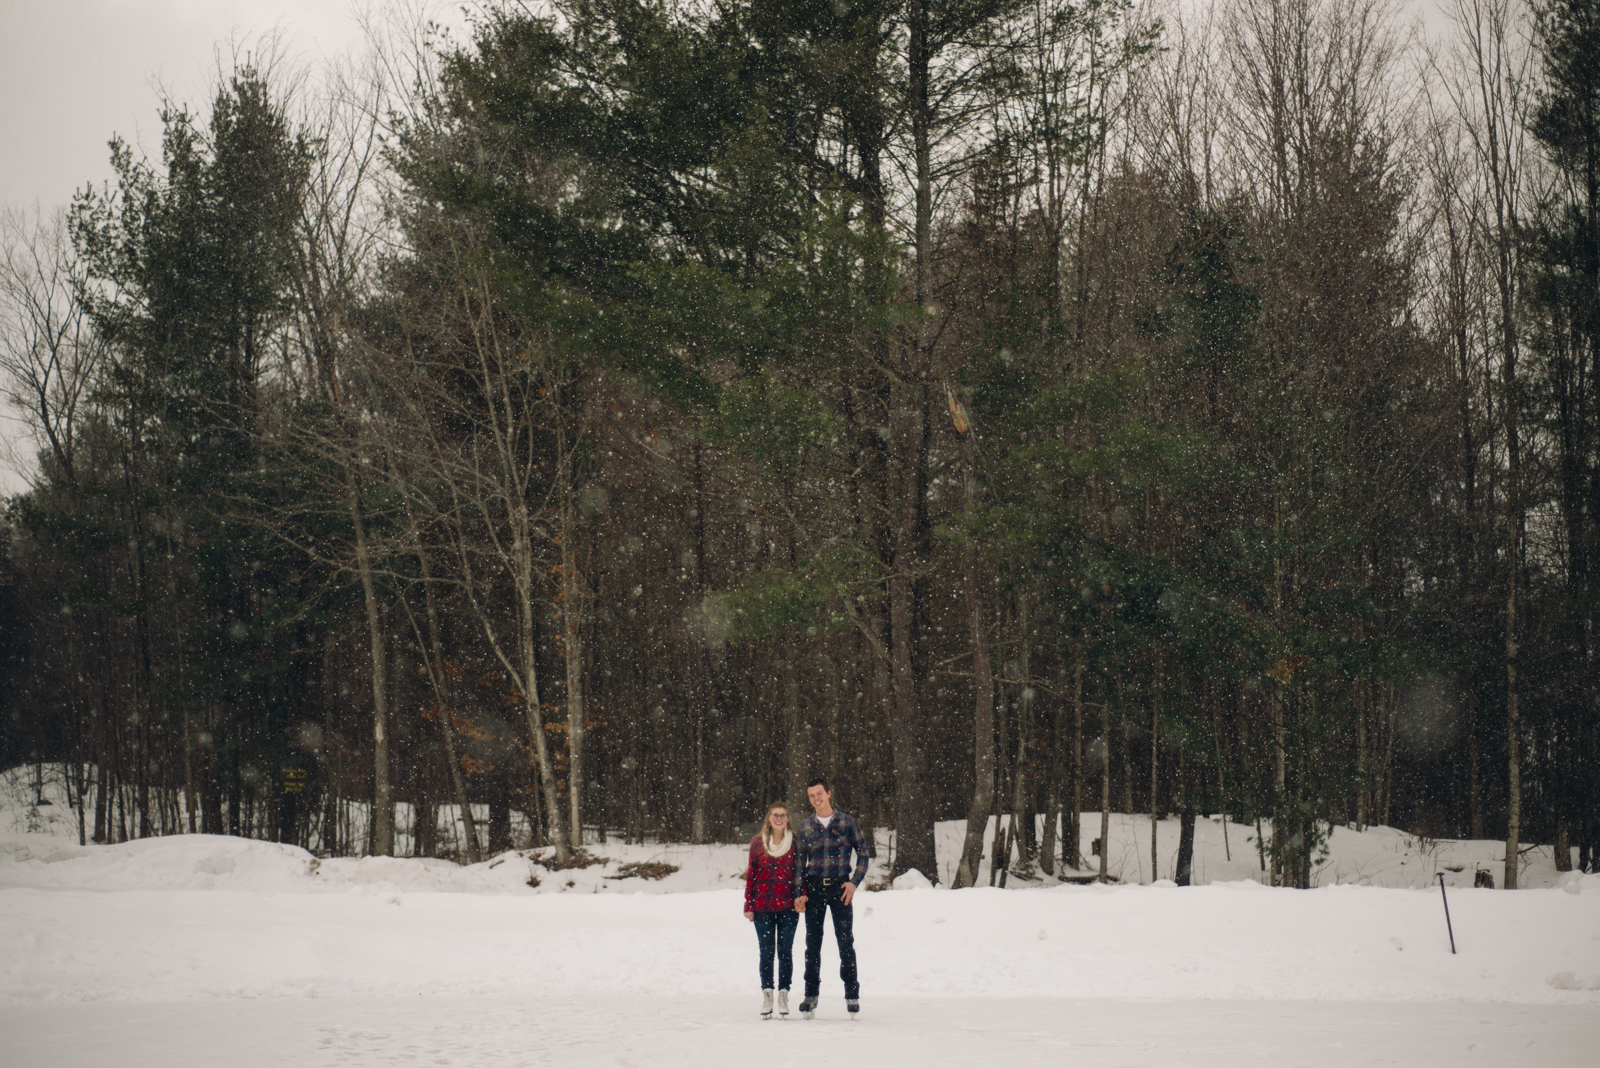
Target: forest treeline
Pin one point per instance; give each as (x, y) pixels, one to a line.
(633, 409)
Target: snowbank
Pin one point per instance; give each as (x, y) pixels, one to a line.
(1378, 857)
(190, 862)
(216, 862)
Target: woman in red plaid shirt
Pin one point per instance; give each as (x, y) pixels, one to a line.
(769, 903)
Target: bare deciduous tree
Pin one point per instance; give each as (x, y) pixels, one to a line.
(49, 351)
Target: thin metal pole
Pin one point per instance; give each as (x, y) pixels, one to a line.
(1447, 926)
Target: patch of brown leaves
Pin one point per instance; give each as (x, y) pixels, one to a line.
(648, 869)
(581, 858)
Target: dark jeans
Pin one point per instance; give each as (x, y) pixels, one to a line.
(775, 931)
(820, 897)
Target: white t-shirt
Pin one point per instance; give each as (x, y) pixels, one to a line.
(825, 820)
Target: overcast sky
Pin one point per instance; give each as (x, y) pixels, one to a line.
(73, 72)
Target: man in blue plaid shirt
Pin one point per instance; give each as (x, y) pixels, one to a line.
(825, 878)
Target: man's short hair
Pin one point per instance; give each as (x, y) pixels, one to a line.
(819, 781)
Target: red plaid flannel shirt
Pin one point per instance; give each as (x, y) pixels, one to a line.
(769, 881)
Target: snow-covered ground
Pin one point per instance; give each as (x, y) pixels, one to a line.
(200, 950)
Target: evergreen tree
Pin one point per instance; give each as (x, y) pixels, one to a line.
(187, 275)
(1564, 297)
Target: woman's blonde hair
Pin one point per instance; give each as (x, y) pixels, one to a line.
(766, 824)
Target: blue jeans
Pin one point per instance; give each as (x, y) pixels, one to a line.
(775, 931)
(821, 896)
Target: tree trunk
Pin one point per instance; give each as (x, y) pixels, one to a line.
(702, 686)
(983, 692)
(81, 775)
(796, 726)
(1391, 712)
(1072, 832)
(1024, 785)
(1513, 730)
(1047, 843)
(1127, 766)
(913, 802)
(1513, 567)
(1004, 771)
(572, 602)
(235, 814)
(382, 794)
(908, 406)
(1105, 787)
(531, 707)
(499, 820)
(102, 763)
(211, 821)
(1021, 809)
(441, 695)
(425, 823)
(1363, 688)
(189, 800)
(1474, 798)
(1280, 775)
(1184, 869)
(330, 762)
(698, 815)
(1155, 782)
(1052, 804)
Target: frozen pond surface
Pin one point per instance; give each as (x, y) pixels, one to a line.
(722, 1032)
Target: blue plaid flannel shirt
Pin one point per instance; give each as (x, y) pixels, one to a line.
(824, 852)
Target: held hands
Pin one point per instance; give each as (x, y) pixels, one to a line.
(847, 894)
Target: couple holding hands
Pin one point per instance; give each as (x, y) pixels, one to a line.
(807, 869)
